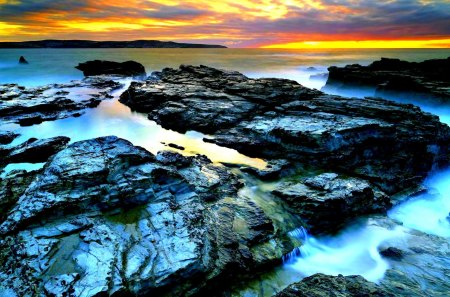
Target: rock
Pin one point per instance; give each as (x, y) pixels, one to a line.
(98, 67)
(311, 69)
(11, 188)
(7, 137)
(327, 201)
(418, 262)
(34, 150)
(321, 285)
(29, 106)
(176, 146)
(389, 144)
(392, 253)
(22, 60)
(104, 217)
(427, 81)
(273, 170)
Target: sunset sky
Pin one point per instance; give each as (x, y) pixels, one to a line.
(242, 23)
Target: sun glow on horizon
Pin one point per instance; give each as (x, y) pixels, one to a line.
(435, 43)
(246, 23)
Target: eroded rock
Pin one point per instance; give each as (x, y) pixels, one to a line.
(392, 145)
(326, 201)
(105, 217)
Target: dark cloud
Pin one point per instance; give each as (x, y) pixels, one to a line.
(344, 19)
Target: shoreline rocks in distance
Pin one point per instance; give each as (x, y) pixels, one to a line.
(100, 67)
(104, 44)
(427, 81)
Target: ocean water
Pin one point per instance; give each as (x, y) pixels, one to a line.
(57, 65)
(353, 251)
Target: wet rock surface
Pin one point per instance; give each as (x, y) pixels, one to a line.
(99, 67)
(321, 285)
(325, 202)
(105, 217)
(33, 150)
(29, 106)
(389, 144)
(393, 78)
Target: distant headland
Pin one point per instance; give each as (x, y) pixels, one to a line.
(104, 44)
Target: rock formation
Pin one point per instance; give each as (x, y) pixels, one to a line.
(29, 106)
(98, 67)
(427, 81)
(280, 119)
(22, 60)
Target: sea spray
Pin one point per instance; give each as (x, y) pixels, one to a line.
(428, 212)
(352, 252)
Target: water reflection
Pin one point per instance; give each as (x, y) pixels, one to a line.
(113, 118)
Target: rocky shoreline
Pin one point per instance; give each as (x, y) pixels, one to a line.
(425, 81)
(104, 217)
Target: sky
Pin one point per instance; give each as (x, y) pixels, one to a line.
(234, 23)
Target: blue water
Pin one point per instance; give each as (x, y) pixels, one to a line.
(57, 65)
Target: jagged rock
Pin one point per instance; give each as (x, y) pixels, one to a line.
(11, 188)
(104, 217)
(390, 144)
(427, 81)
(98, 67)
(326, 201)
(29, 106)
(34, 150)
(321, 285)
(7, 137)
(22, 60)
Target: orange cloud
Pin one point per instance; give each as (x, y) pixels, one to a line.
(244, 23)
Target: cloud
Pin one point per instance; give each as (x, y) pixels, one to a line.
(243, 23)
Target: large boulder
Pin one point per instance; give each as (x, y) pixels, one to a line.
(427, 81)
(99, 67)
(390, 144)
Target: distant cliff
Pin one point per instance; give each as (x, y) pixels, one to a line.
(104, 44)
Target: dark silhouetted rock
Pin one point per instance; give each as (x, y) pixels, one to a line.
(22, 60)
(34, 150)
(427, 81)
(98, 67)
(392, 253)
(104, 44)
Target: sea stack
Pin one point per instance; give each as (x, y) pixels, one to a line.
(22, 60)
